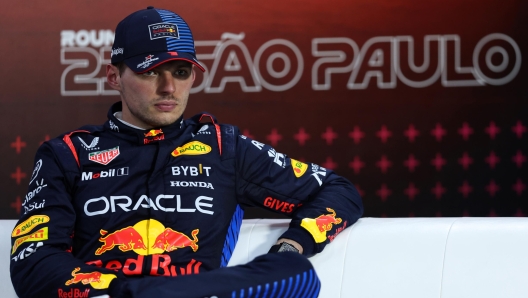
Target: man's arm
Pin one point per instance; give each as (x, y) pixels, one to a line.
(42, 264)
(320, 202)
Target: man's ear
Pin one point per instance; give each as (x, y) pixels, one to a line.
(193, 73)
(112, 77)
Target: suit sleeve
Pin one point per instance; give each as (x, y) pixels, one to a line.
(42, 263)
(320, 202)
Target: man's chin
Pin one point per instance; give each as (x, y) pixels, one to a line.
(163, 122)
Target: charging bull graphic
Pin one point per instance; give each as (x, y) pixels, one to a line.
(171, 240)
(96, 279)
(147, 231)
(85, 278)
(320, 225)
(126, 239)
(153, 132)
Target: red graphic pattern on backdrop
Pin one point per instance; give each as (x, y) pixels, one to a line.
(383, 165)
(466, 162)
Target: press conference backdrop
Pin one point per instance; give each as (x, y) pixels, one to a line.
(421, 104)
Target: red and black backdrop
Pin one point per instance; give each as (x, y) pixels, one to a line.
(421, 104)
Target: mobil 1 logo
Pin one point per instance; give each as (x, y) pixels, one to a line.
(104, 174)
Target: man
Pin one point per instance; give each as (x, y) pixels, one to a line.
(150, 204)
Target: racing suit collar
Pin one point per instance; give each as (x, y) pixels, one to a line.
(142, 136)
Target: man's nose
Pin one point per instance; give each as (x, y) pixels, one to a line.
(166, 83)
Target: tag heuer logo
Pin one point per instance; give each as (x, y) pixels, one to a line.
(104, 157)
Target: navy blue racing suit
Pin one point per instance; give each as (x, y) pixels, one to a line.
(109, 207)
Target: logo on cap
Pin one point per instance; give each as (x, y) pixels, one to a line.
(116, 52)
(163, 30)
(148, 61)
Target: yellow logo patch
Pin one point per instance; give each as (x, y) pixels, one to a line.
(39, 235)
(320, 225)
(192, 148)
(28, 225)
(299, 168)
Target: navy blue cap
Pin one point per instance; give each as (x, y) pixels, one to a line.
(152, 36)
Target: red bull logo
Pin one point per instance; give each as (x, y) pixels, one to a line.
(153, 135)
(125, 239)
(171, 240)
(74, 293)
(320, 225)
(96, 279)
(84, 278)
(133, 238)
(160, 265)
(337, 231)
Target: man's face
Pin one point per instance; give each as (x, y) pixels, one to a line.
(155, 98)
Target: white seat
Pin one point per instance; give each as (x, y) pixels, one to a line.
(396, 258)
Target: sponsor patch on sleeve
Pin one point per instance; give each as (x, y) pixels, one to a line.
(39, 235)
(299, 168)
(320, 225)
(28, 225)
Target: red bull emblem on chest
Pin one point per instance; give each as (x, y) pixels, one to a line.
(147, 231)
(320, 225)
(104, 157)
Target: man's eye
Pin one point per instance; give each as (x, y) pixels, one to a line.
(150, 73)
(182, 73)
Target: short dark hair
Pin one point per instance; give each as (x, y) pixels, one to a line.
(121, 66)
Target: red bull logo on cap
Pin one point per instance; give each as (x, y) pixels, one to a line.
(133, 238)
(320, 225)
(96, 279)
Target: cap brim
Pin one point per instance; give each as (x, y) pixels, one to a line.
(144, 63)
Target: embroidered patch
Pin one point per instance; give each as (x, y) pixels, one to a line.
(163, 30)
(320, 225)
(104, 157)
(192, 148)
(299, 168)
